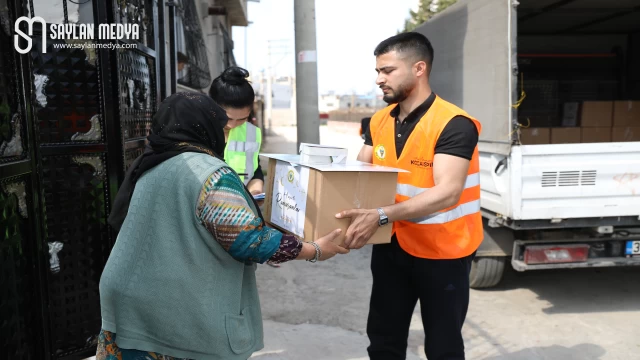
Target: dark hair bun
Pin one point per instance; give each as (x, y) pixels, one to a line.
(235, 75)
(232, 89)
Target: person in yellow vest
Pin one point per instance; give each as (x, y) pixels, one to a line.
(233, 92)
(436, 220)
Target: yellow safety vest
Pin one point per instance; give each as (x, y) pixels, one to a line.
(243, 147)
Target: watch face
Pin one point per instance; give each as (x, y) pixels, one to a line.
(383, 218)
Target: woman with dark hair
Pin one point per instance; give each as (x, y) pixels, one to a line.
(233, 92)
(180, 280)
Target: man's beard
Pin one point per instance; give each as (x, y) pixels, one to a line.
(400, 95)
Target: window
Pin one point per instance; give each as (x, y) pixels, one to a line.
(193, 64)
(229, 59)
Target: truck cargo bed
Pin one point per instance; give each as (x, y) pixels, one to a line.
(562, 181)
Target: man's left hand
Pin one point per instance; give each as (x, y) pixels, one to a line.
(364, 224)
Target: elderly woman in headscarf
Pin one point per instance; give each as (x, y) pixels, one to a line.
(180, 280)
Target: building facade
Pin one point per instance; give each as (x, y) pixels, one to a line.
(72, 120)
(331, 102)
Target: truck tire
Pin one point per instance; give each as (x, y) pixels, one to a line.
(486, 271)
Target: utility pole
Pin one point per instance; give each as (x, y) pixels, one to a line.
(307, 114)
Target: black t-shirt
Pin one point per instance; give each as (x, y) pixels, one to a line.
(459, 138)
(258, 174)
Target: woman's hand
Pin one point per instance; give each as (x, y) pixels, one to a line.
(328, 247)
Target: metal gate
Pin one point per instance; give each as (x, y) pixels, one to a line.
(71, 121)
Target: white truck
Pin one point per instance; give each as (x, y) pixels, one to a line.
(512, 64)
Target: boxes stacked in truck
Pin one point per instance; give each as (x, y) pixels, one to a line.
(590, 122)
(596, 114)
(626, 121)
(569, 133)
(565, 135)
(535, 136)
(595, 134)
(596, 119)
(610, 121)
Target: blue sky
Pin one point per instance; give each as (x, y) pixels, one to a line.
(347, 31)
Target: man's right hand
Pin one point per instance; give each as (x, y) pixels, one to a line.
(328, 247)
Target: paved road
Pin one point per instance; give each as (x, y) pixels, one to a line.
(319, 311)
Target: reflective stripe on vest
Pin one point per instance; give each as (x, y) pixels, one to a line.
(252, 150)
(411, 191)
(447, 216)
(242, 146)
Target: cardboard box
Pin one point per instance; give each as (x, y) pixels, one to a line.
(626, 113)
(627, 133)
(565, 135)
(303, 199)
(596, 134)
(596, 114)
(535, 136)
(570, 114)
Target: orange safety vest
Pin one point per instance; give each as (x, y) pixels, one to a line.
(454, 232)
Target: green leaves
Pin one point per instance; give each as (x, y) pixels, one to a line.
(426, 10)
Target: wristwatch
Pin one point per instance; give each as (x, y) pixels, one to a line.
(384, 220)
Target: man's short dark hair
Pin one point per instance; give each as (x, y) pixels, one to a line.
(415, 45)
